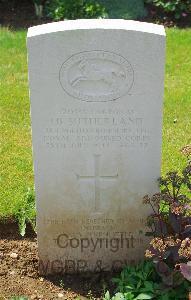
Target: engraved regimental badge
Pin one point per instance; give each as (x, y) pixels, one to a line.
(96, 76)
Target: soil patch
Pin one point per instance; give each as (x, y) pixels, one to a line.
(19, 272)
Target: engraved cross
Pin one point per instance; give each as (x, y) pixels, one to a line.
(97, 177)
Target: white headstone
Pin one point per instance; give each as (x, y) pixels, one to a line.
(96, 89)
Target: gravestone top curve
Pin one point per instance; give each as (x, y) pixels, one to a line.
(96, 24)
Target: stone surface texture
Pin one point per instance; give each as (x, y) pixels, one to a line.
(96, 89)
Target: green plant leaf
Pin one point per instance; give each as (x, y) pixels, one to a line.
(107, 296)
(118, 296)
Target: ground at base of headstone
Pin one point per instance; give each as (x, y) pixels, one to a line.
(19, 275)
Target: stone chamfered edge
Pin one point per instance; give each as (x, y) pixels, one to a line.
(96, 24)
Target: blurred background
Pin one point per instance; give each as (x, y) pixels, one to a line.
(25, 13)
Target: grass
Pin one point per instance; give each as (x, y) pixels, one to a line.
(177, 102)
(15, 132)
(16, 157)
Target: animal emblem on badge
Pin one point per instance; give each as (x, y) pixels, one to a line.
(90, 71)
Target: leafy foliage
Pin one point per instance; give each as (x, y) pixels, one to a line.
(26, 213)
(177, 8)
(76, 9)
(137, 282)
(163, 277)
(125, 9)
(170, 225)
(143, 282)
